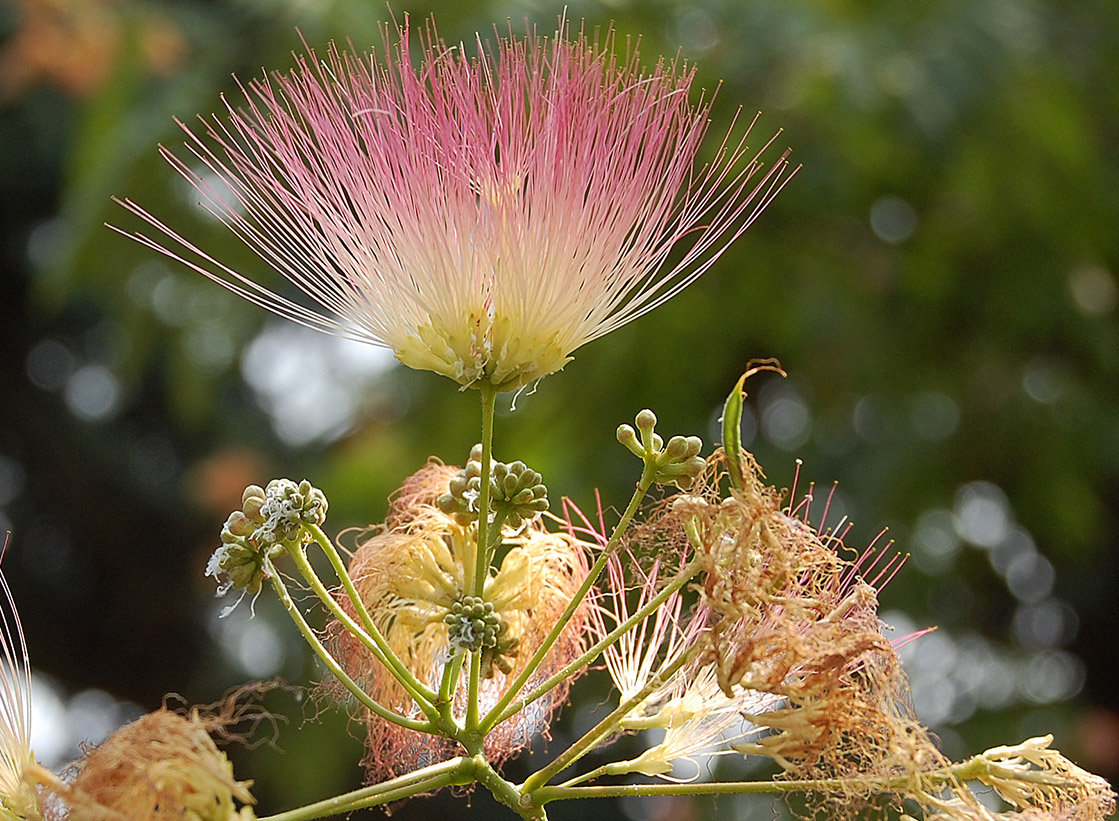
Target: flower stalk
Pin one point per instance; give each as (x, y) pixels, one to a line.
(482, 569)
(373, 640)
(686, 574)
(458, 771)
(508, 704)
(419, 691)
(332, 664)
(610, 724)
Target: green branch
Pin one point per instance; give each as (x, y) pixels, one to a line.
(964, 771)
(507, 793)
(401, 672)
(458, 771)
(375, 642)
(606, 726)
(686, 574)
(481, 569)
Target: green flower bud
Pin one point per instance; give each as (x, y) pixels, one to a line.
(677, 448)
(627, 436)
(472, 625)
(677, 463)
(515, 489)
(269, 519)
(518, 490)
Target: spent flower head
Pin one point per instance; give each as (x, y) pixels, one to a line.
(481, 214)
(162, 766)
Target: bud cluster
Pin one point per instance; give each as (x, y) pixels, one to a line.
(461, 498)
(519, 489)
(269, 519)
(281, 510)
(677, 463)
(473, 625)
(515, 489)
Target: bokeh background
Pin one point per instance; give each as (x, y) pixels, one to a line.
(939, 281)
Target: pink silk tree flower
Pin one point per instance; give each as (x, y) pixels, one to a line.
(481, 215)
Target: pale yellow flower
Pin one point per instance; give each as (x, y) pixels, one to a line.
(18, 797)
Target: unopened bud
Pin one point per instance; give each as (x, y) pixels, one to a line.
(628, 437)
(646, 421)
(518, 491)
(679, 463)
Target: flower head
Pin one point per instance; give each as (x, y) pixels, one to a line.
(161, 766)
(253, 536)
(483, 215)
(415, 577)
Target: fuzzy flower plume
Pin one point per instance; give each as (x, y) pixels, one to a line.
(18, 798)
(162, 766)
(483, 215)
(415, 575)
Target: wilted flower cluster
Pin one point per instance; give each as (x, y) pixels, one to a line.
(792, 617)
(161, 767)
(789, 660)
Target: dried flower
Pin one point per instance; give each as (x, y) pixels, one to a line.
(415, 577)
(1033, 778)
(482, 216)
(793, 642)
(161, 766)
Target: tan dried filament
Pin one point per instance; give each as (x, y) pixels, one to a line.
(160, 767)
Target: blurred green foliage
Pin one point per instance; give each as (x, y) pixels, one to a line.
(939, 281)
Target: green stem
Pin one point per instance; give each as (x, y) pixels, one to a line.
(498, 712)
(607, 725)
(472, 700)
(494, 538)
(457, 771)
(482, 551)
(507, 793)
(422, 695)
(962, 772)
(446, 698)
(391, 660)
(605, 769)
(489, 406)
(332, 664)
